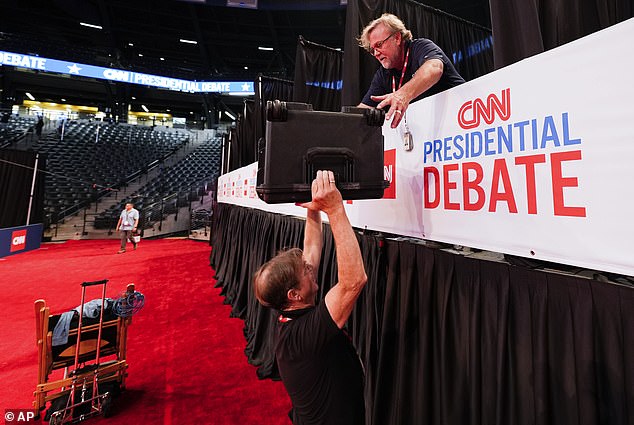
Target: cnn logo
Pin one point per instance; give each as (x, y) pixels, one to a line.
(18, 240)
(472, 111)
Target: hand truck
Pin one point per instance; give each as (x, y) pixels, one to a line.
(85, 380)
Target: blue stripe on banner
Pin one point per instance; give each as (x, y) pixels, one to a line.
(112, 74)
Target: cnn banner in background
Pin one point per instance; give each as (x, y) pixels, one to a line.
(535, 159)
(15, 240)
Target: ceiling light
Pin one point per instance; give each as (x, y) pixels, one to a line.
(246, 67)
(97, 27)
(29, 95)
(162, 59)
(140, 55)
(268, 49)
(131, 44)
(230, 116)
(133, 98)
(145, 108)
(183, 40)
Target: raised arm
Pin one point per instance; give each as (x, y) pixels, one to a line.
(313, 239)
(351, 272)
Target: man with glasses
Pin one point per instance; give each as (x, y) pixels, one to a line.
(410, 69)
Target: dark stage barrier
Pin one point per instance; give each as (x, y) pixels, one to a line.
(16, 240)
(526, 28)
(241, 146)
(448, 339)
(318, 76)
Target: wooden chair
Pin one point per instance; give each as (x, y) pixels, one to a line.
(50, 358)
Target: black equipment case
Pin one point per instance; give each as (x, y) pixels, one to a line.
(300, 141)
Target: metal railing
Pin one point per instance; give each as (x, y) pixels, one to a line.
(199, 194)
(116, 187)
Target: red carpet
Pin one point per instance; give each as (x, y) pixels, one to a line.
(186, 358)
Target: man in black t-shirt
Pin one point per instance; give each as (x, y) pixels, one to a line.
(410, 69)
(317, 362)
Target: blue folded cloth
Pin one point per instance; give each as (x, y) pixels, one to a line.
(92, 310)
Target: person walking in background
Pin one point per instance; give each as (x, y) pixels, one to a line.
(318, 364)
(38, 127)
(127, 224)
(411, 69)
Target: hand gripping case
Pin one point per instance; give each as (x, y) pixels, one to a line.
(300, 141)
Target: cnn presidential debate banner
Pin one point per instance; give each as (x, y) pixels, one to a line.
(38, 63)
(535, 159)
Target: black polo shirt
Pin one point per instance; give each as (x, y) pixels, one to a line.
(320, 368)
(422, 50)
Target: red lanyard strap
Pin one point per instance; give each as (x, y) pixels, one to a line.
(400, 83)
(284, 319)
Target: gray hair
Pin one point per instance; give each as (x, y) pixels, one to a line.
(273, 280)
(391, 22)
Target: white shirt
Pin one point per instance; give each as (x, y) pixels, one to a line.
(128, 218)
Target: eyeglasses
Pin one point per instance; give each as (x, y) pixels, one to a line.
(378, 44)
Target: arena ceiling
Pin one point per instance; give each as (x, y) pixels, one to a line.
(232, 43)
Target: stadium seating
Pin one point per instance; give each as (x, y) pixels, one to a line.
(94, 157)
(15, 128)
(176, 186)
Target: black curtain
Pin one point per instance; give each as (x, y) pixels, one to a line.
(268, 88)
(448, 339)
(243, 144)
(525, 28)
(16, 177)
(250, 123)
(467, 44)
(318, 76)
(233, 148)
(225, 153)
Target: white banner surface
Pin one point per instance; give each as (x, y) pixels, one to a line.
(535, 159)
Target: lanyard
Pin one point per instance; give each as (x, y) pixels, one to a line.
(284, 319)
(400, 83)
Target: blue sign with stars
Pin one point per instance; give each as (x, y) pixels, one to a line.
(120, 75)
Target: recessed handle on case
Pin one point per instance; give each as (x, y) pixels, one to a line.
(316, 152)
(339, 160)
